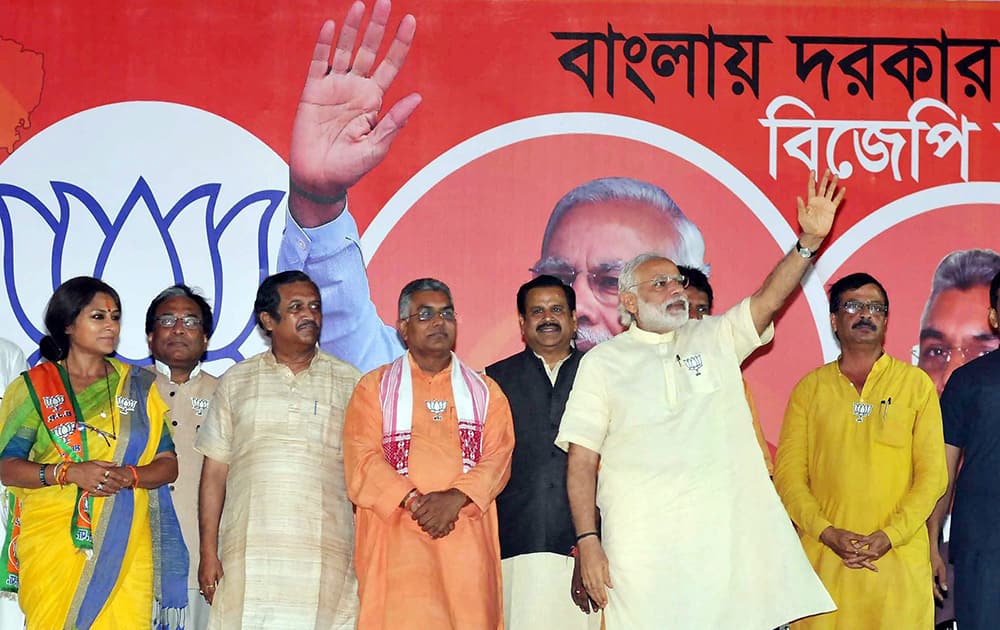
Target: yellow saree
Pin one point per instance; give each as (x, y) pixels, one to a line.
(60, 585)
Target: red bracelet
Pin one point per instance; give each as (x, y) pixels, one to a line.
(63, 476)
(135, 475)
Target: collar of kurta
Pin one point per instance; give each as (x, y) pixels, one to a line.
(445, 372)
(164, 369)
(646, 336)
(270, 360)
(880, 364)
(558, 363)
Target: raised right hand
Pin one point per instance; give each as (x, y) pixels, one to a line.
(337, 135)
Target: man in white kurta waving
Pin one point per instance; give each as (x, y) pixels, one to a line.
(692, 533)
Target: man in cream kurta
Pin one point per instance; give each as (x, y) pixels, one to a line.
(274, 434)
(660, 440)
(695, 535)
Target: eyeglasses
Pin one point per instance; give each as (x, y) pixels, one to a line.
(937, 357)
(603, 280)
(427, 313)
(169, 321)
(660, 283)
(853, 307)
(702, 309)
(108, 436)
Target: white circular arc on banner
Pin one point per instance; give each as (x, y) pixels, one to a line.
(142, 194)
(889, 215)
(587, 123)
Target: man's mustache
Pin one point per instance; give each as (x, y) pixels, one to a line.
(308, 323)
(864, 323)
(553, 326)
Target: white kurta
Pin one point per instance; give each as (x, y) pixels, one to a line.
(536, 594)
(286, 538)
(695, 534)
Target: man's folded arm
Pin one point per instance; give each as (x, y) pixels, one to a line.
(791, 473)
(489, 476)
(371, 482)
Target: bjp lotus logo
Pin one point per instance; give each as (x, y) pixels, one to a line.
(143, 195)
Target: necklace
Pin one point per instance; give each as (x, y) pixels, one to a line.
(113, 435)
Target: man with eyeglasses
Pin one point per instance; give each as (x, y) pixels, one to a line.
(955, 327)
(276, 526)
(598, 226)
(692, 533)
(427, 448)
(969, 405)
(178, 326)
(860, 466)
(701, 298)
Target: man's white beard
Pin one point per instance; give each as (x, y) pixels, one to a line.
(658, 319)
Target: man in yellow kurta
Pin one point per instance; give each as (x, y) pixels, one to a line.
(860, 465)
(427, 448)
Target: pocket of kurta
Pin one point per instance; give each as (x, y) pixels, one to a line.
(699, 379)
(332, 430)
(896, 426)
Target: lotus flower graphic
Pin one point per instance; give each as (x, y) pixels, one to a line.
(143, 208)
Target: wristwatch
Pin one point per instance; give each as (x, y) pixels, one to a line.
(804, 251)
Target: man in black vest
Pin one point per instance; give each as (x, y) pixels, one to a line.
(536, 530)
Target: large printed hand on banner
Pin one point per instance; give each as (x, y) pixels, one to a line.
(817, 213)
(337, 135)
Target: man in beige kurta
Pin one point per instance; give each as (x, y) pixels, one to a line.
(179, 324)
(274, 432)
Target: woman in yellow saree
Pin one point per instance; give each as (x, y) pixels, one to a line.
(85, 451)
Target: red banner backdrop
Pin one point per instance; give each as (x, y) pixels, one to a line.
(724, 105)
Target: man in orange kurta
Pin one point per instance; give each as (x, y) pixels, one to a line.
(427, 448)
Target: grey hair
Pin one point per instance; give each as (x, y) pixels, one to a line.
(626, 281)
(962, 270)
(691, 247)
(181, 290)
(420, 284)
